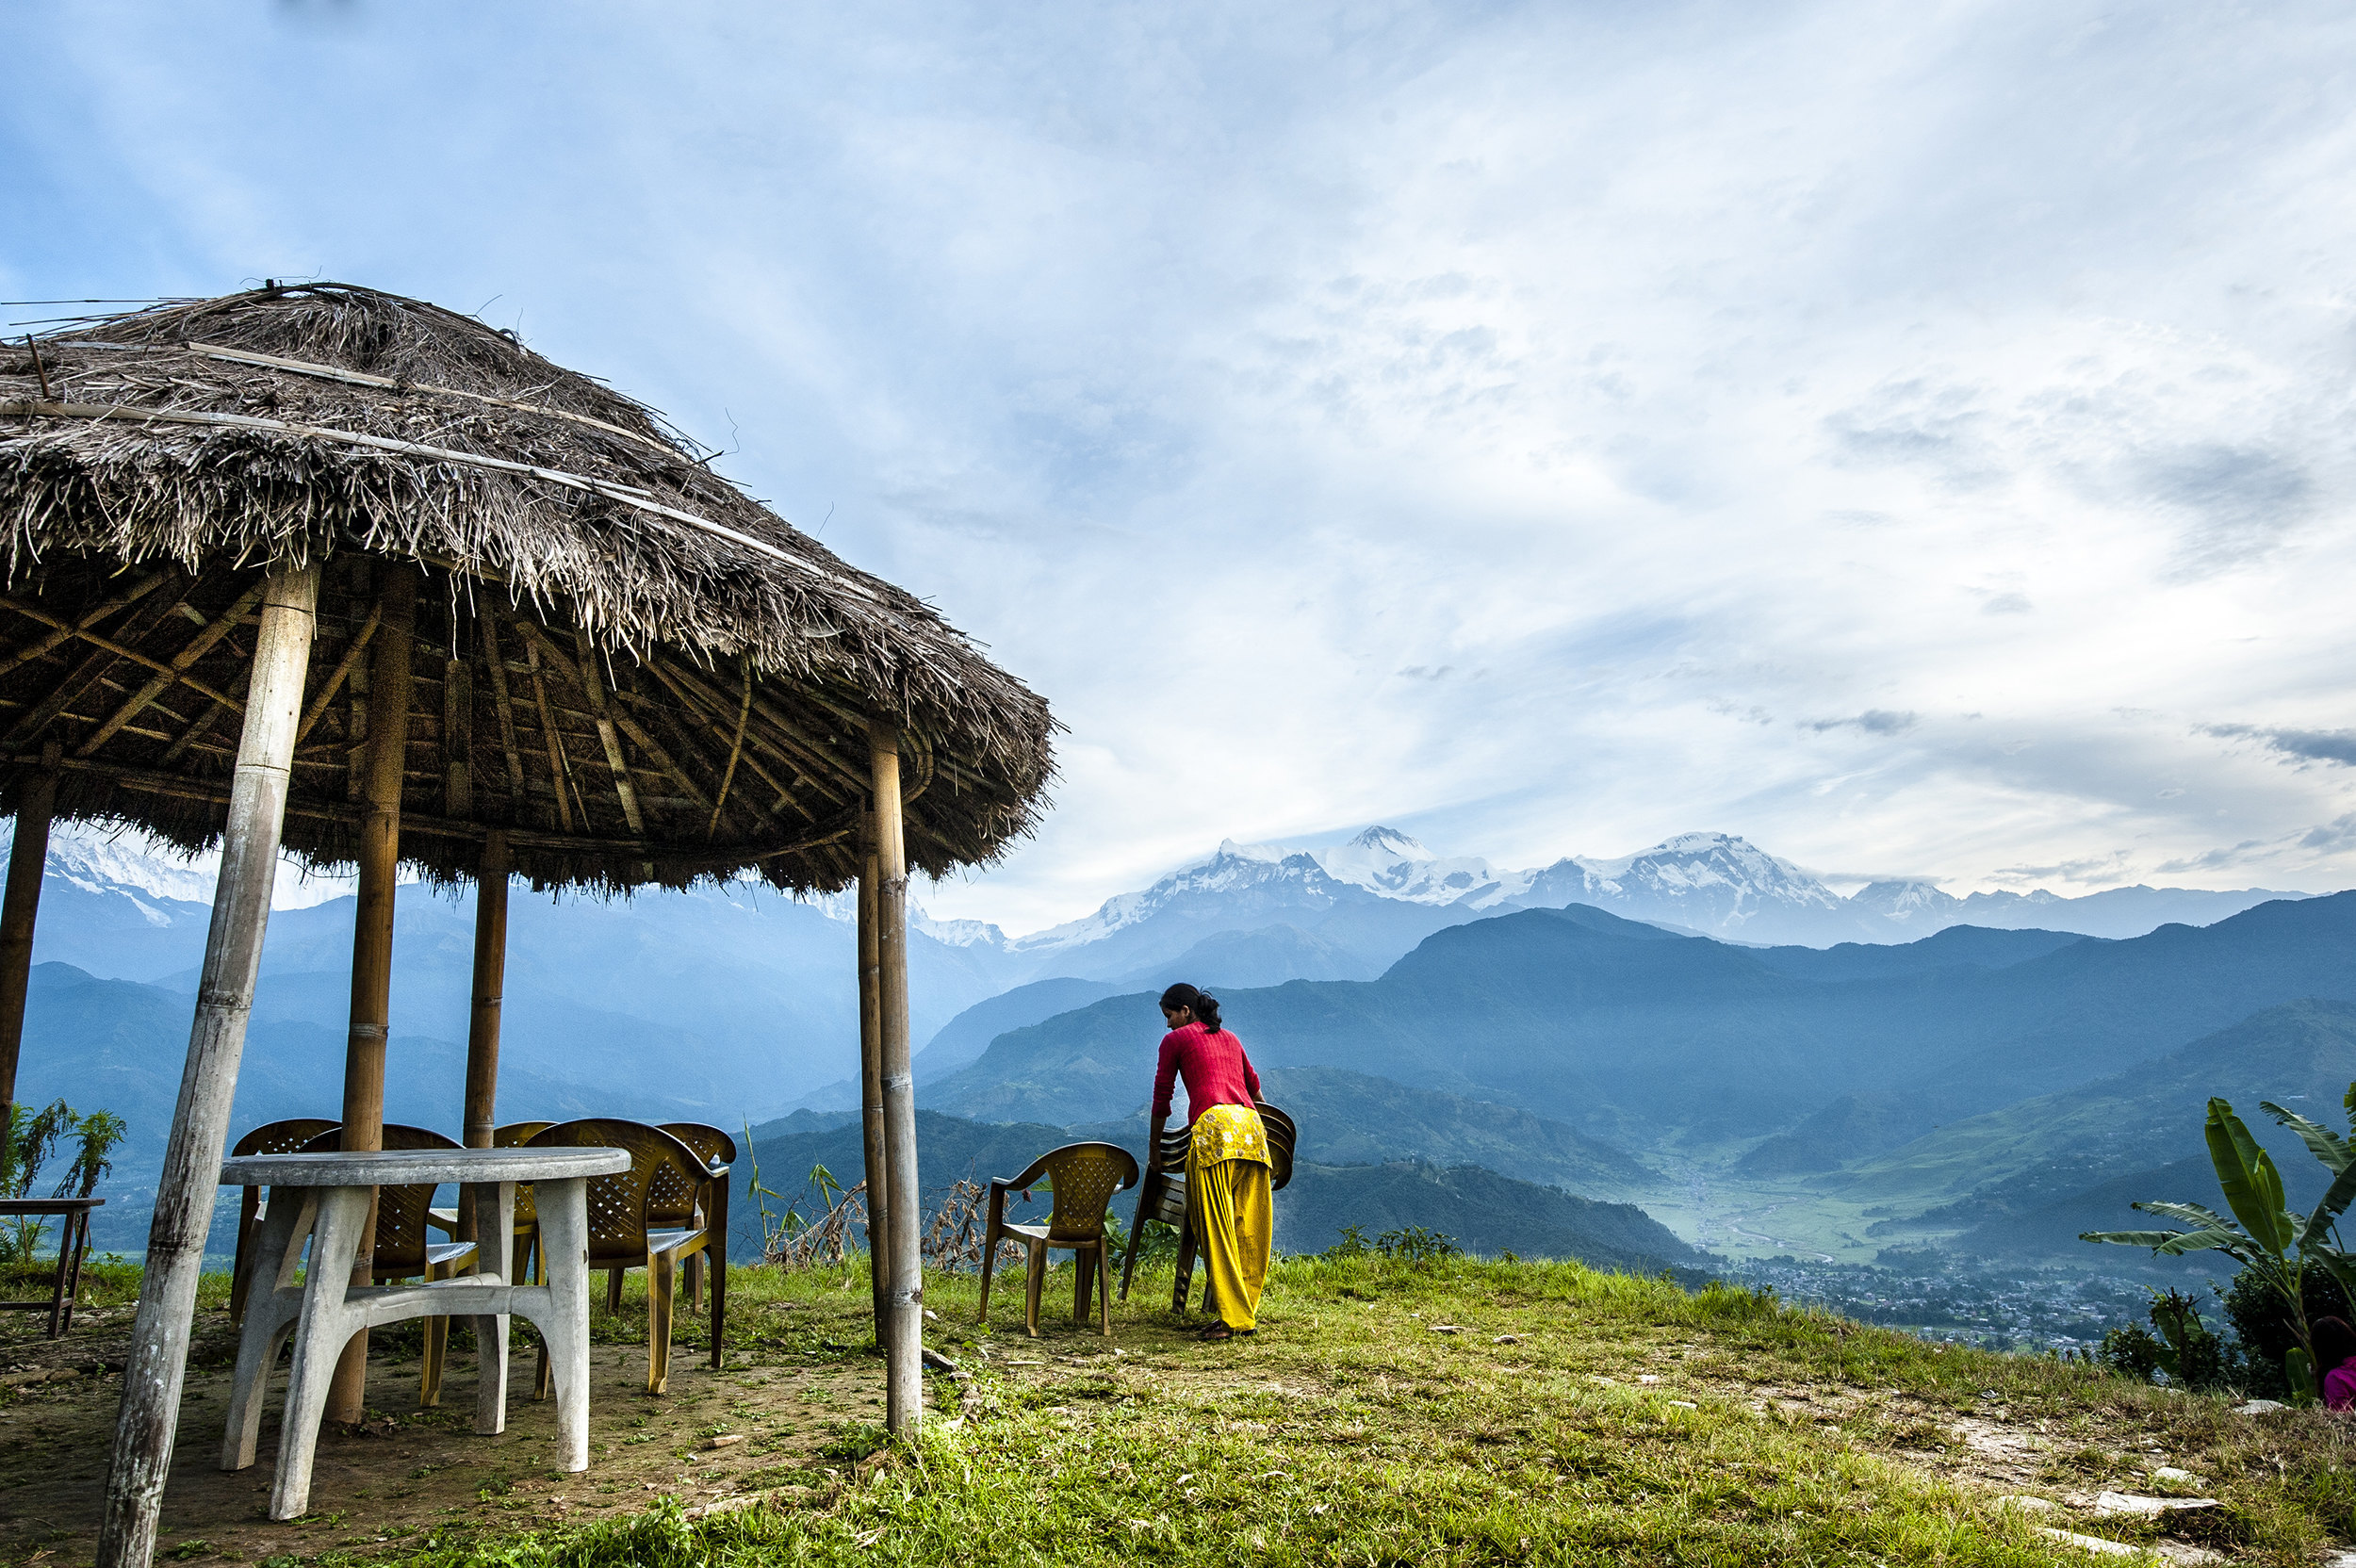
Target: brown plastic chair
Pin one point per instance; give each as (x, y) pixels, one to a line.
(1164, 1197)
(718, 1153)
(1085, 1176)
(626, 1230)
(405, 1251)
(272, 1138)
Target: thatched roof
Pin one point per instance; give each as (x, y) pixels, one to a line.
(608, 635)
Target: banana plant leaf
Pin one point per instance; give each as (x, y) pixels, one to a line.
(2326, 1145)
(2191, 1214)
(2176, 1243)
(2254, 1188)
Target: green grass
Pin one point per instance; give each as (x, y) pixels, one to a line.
(1351, 1432)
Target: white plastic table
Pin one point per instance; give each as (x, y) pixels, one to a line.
(326, 1197)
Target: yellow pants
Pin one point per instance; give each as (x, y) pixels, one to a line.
(1235, 1224)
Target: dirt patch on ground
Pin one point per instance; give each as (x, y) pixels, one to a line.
(407, 1474)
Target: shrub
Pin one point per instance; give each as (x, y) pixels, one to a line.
(1416, 1244)
(2261, 1321)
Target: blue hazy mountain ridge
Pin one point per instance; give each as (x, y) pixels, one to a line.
(1959, 946)
(1348, 1117)
(967, 1035)
(101, 1041)
(1226, 960)
(751, 997)
(1485, 1211)
(1631, 1035)
(2061, 1157)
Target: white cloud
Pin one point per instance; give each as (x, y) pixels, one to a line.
(1962, 391)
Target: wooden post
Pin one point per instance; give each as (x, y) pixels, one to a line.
(372, 935)
(903, 1403)
(29, 856)
(158, 1356)
(870, 1082)
(490, 980)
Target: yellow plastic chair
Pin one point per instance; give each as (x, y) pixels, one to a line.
(1085, 1177)
(718, 1153)
(626, 1222)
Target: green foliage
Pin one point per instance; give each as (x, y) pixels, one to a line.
(1160, 1244)
(1352, 1245)
(2262, 1327)
(1414, 1244)
(856, 1439)
(2133, 1351)
(2184, 1349)
(33, 1139)
(2281, 1250)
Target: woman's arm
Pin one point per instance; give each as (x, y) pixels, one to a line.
(1250, 1079)
(1165, 1081)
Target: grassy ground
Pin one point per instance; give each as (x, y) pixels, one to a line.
(1450, 1413)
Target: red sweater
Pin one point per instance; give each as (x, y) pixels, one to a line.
(1216, 1070)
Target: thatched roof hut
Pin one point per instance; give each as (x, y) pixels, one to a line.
(326, 567)
(640, 672)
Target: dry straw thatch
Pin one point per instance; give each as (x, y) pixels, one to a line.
(640, 672)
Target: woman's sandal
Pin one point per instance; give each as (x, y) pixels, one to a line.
(1218, 1333)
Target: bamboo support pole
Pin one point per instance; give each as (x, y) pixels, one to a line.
(372, 935)
(28, 856)
(871, 1083)
(158, 1361)
(903, 1401)
(490, 981)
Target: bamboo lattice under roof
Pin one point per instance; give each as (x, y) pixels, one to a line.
(639, 672)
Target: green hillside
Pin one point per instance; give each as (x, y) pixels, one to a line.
(1349, 1119)
(1486, 1212)
(2031, 1176)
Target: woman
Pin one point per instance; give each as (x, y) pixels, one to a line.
(2335, 1362)
(1227, 1163)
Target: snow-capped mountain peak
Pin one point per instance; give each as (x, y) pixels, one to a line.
(958, 933)
(1387, 861)
(1906, 899)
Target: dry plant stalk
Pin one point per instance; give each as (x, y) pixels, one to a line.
(952, 1239)
(821, 1243)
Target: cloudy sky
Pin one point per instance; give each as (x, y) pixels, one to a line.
(1916, 438)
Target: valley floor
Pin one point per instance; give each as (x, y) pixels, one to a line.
(1455, 1412)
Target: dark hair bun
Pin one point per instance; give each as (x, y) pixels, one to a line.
(1205, 1008)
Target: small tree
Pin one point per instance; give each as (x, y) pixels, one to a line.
(33, 1136)
(2270, 1242)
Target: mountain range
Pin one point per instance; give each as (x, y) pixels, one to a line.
(1427, 1014)
(1712, 883)
(1632, 1034)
